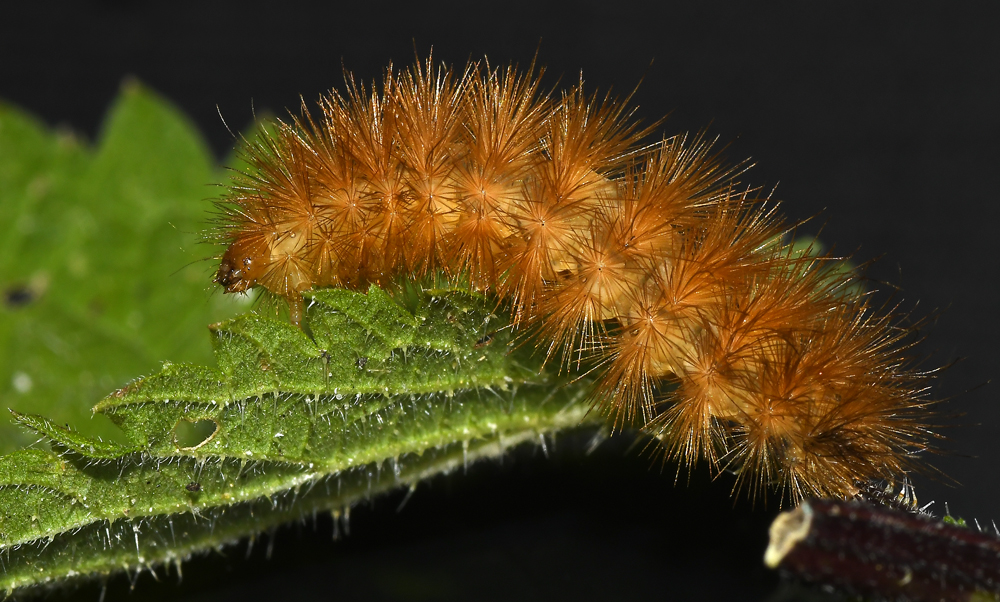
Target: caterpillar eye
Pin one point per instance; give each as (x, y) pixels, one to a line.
(225, 274)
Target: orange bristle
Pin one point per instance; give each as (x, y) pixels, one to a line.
(504, 116)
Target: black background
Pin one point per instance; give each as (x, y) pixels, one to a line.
(884, 117)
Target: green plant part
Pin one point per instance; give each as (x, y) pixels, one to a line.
(287, 425)
(100, 271)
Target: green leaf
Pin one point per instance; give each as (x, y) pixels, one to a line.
(377, 398)
(93, 249)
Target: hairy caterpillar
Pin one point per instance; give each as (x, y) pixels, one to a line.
(649, 261)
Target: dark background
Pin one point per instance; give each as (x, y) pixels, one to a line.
(882, 117)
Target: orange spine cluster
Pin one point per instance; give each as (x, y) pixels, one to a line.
(706, 330)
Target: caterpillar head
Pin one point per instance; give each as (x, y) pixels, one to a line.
(241, 267)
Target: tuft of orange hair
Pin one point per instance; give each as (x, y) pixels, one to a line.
(651, 261)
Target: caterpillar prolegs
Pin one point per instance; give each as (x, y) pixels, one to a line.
(648, 260)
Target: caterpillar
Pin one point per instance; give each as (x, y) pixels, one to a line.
(649, 261)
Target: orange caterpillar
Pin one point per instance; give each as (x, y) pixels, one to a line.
(708, 332)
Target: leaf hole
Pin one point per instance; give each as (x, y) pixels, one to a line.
(18, 296)
(189, 434)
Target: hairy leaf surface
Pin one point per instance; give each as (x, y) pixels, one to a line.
(376, 396)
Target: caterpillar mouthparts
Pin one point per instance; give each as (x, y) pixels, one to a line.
(714, 336)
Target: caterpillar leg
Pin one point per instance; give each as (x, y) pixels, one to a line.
(296, 308)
